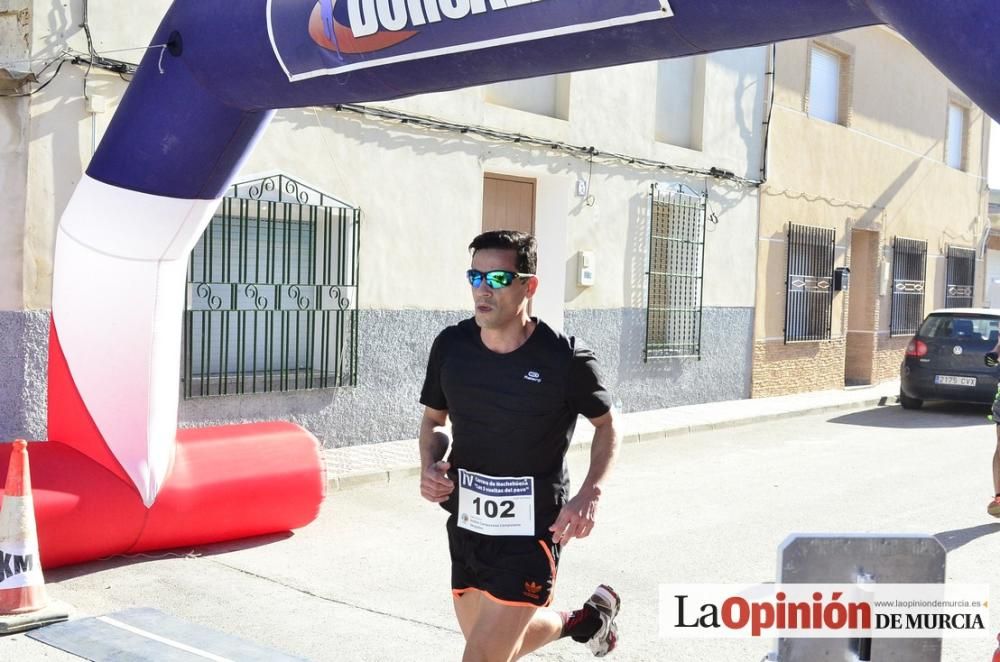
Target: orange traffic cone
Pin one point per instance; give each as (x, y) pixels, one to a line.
(996, 654)
(22, 587)
(23, 601)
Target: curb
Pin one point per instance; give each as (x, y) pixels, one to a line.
(375, 476)
(346, 481)
(880, 401)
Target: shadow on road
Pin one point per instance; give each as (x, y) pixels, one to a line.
(121, 560)
(952, 540)
(932, 415)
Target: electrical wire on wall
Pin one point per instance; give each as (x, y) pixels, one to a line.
(95, 59)
(792, 194)
(580, 151)
(710, 214)
(35, 76)
(92, 59)
(86, 78)
(590, 199)
(120, 67)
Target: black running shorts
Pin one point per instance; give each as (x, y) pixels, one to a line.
(514, 570)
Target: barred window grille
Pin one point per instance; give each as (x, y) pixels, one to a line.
(809, 284)
(675, 274)
(909, 268)
(960, 284)
(272, 296)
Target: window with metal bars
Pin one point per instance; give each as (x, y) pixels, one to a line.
(675, 274)
(909, 269)
(272, 297)
(960, 284)
(809, 283)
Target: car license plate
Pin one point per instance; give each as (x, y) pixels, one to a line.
(954, 381)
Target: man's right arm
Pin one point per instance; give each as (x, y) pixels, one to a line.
(435, 486)
(993, 356)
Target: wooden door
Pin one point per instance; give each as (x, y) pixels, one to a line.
(508, 203)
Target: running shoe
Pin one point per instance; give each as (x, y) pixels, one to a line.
(994, 507)
(606, 603)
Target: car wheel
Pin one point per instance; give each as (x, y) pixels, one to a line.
(910, 403)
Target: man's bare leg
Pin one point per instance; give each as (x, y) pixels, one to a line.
(545, 627)
(496, 631)
(994, 507)
(996, 465)
(499, 632)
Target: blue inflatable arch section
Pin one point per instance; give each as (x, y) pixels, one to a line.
(197, 105)
(217, 89)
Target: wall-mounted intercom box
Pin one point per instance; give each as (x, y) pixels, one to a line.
(585, 268)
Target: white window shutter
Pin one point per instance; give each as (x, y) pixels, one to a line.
(956, 135)
(824, 85)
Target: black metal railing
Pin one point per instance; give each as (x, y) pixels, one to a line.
(960, 283)
(909, 269)
(272, 299)
(675, 274)
(809, 283)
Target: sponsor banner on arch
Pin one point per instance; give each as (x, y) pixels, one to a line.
(314, 38)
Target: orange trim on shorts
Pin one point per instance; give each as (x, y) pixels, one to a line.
(552, 561)
(552, 568)
(459, 592)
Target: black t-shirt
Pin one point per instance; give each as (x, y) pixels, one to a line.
(514, 414)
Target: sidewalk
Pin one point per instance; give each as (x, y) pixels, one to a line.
(386, 462)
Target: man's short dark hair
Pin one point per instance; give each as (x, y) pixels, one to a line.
(522, 243)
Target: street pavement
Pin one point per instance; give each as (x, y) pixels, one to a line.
(369, 580)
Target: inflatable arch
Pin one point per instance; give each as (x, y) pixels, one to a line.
(118, 476)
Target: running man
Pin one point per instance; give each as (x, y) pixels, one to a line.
(513, 387)
(993, 508)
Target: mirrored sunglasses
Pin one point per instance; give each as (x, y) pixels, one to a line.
(495, 279)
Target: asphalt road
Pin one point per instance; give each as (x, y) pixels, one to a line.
(369, 579)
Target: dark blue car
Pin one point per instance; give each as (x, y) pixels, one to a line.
(944, 360)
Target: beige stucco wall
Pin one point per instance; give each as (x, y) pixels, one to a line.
(62, 134)
(421, 191)
(15, 48)
(884, 172)
(384, 167)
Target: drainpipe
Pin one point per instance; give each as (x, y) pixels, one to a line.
(984, 239)
(769, 76)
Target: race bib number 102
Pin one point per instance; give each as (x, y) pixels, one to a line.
(496, 506)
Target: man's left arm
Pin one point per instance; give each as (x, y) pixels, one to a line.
(577, 517)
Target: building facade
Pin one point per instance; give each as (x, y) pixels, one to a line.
(876, 165)
(340, 251)
(992, 288)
